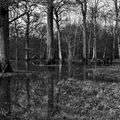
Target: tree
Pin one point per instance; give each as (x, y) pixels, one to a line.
(4, 37)
(104, 16)
(116, 35)
(57, 13)
(60, 7)
(94, 13)
(84, 13)
(49, 41)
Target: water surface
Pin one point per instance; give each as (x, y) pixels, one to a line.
(69, 92)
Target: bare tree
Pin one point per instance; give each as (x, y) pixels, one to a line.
(83, 4)
(94, 13)
(60, 7)
(49, 42)
(116, 35)
(57, 12)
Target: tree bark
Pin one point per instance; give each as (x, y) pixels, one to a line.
(27, 41)
(59, 36)
(84, 10)
(69, 51)
(94, 42)
(59, 43)
(116, 37)
(4, 39)
(16, 37)
(89, 44)
(49, 41)
(84, 39)
(74, 48)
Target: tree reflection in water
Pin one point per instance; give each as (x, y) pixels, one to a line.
(50, 90)
(45, 95)
(5, 98)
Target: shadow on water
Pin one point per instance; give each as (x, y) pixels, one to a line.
(69, 92)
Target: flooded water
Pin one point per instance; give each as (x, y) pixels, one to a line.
(69, 92)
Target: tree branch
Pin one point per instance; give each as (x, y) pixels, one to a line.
(16, 18)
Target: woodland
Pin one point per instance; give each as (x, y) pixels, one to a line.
(57, 31)
(59, 60)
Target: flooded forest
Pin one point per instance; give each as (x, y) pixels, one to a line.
(59, 60)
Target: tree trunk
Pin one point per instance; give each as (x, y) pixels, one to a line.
(49, 41)
(74, 48)
(69, 51)
(94, 42)
(27, 42)
(84, 40)
(116, 37)
(16, 52)
(59, 42)
(89, 44)
(105, 47)
(113, 46)
(84, 10)
(4, 40)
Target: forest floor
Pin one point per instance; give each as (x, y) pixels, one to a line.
(97, 99)
(109, 72)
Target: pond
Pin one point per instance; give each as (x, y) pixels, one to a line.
(69, 92)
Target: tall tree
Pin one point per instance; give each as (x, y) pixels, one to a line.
(116, 35)
(4, 37)
(94, 13)
(83, 4)
(60, 7)
(49, 41)
(4, 34)
(57, 8)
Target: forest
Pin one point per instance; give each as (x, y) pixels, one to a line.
(59, 60)
(58, 31)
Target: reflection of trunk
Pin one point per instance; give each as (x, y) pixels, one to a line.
(69, 69)
(84, 72)
(94, 73)
(28, 93)
(4, 40)
(5, 107)
(50, 96)
(94, 42)
(49, 41)
(57, 95)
